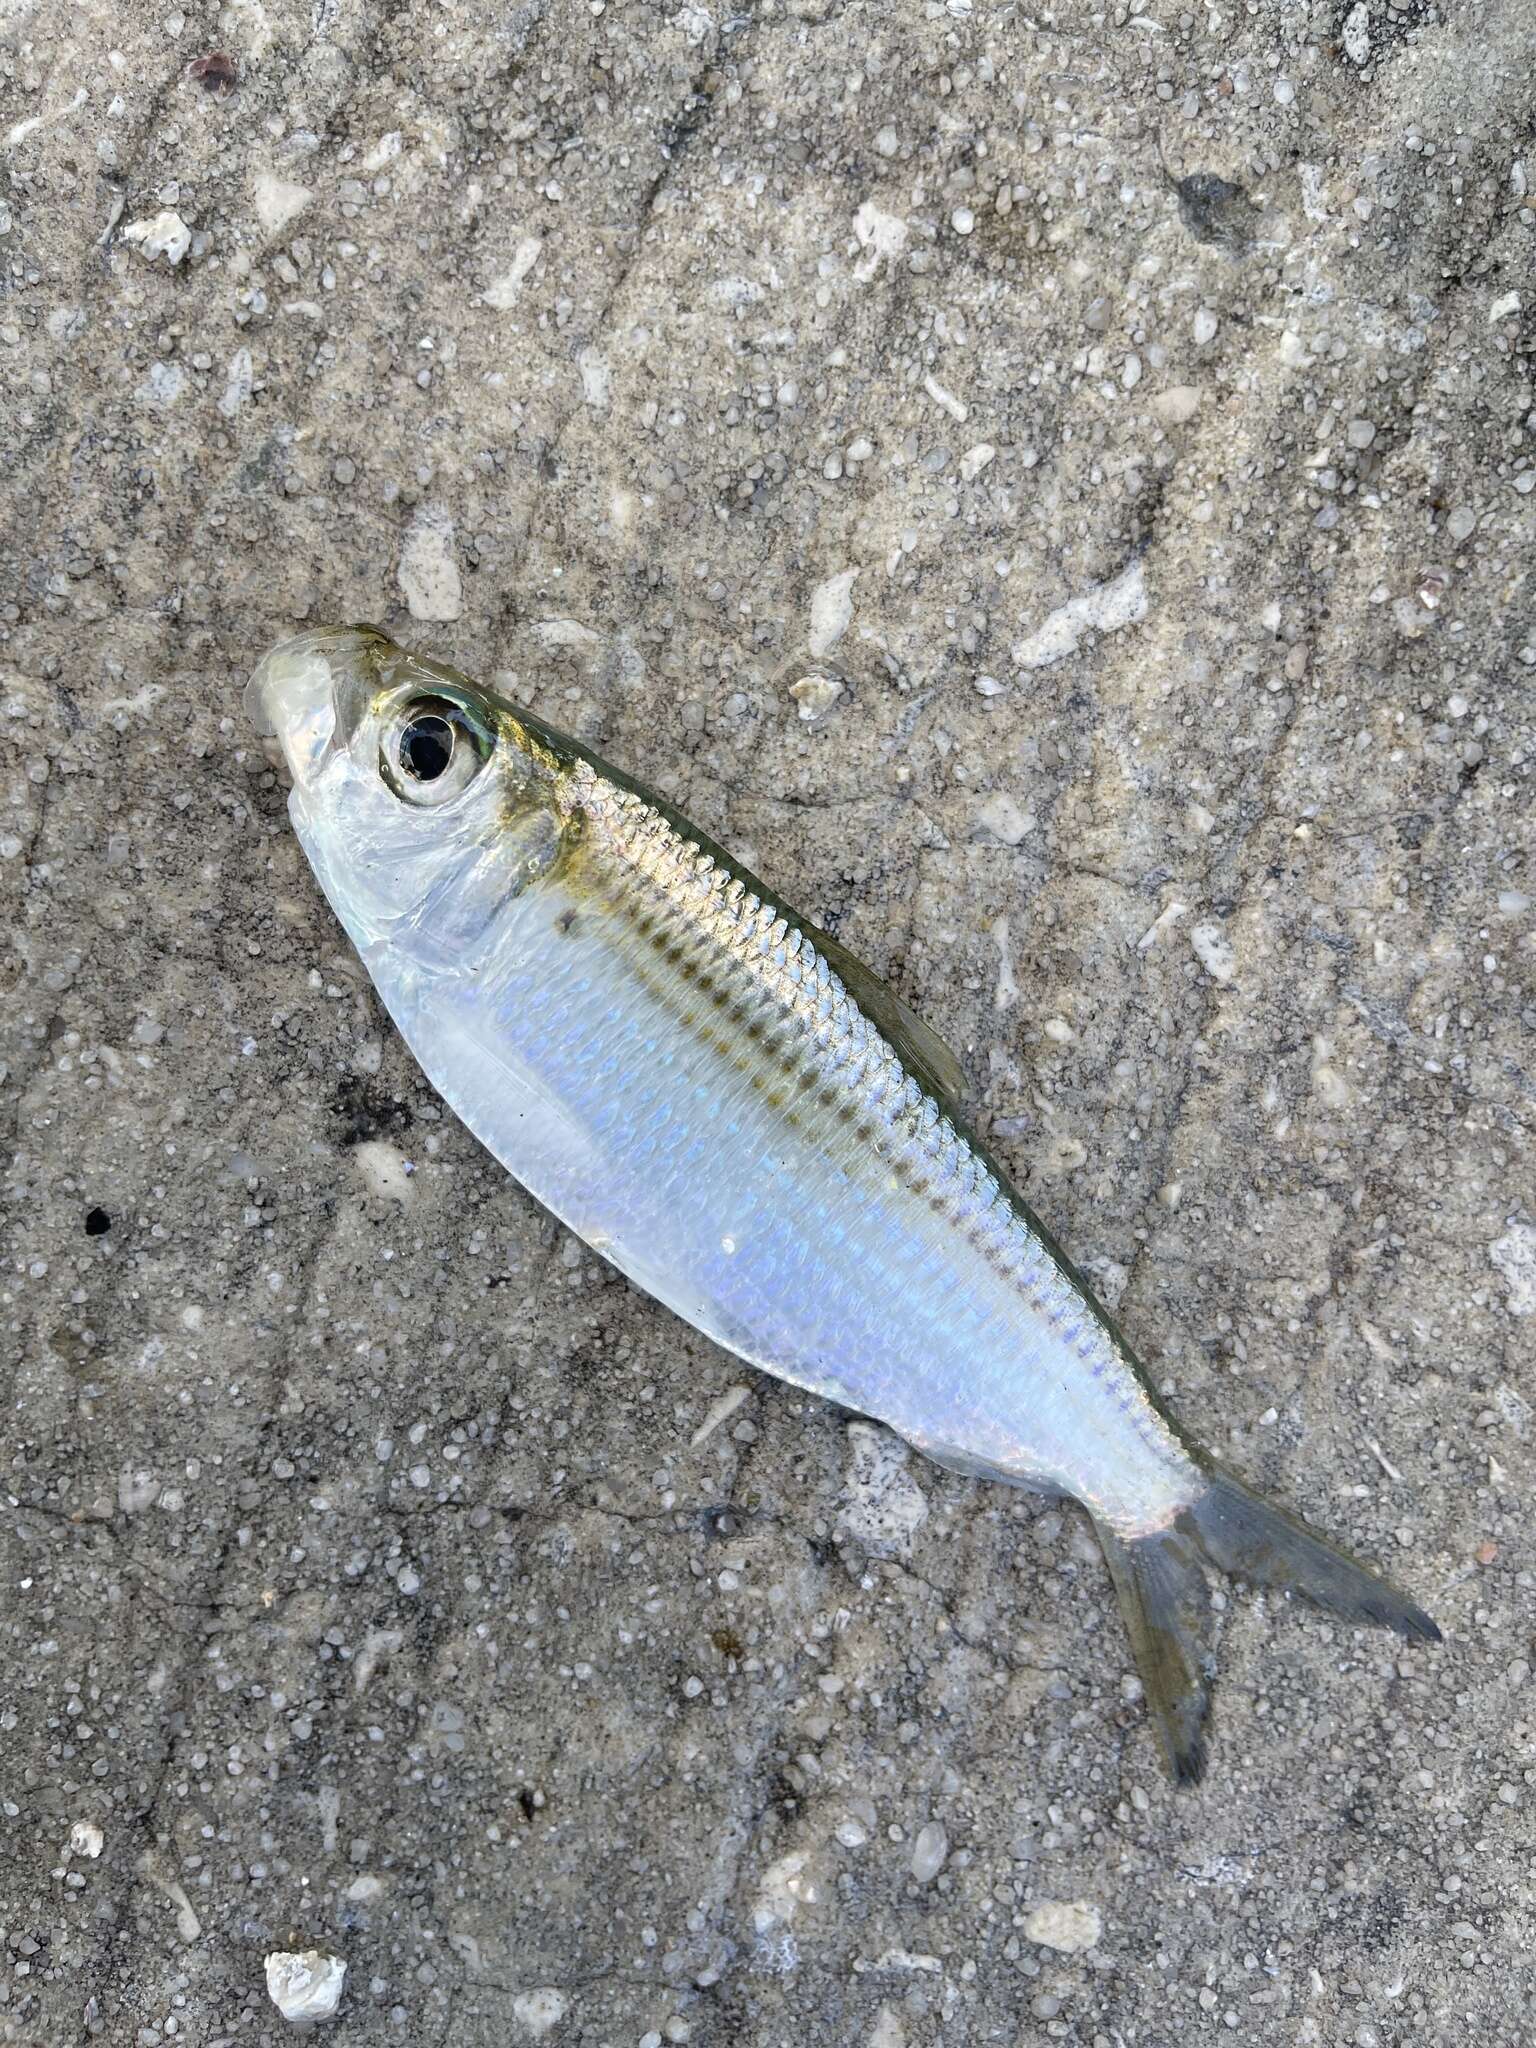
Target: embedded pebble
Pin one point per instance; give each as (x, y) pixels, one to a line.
(305, 1985)
(1213, 950)
(279, 201)
(883, 1506)
(929, 1852)
(1205, 325)
(881, 235)
(1514, 1254)
(1108, 608)
(504, 291)
(540, 2012)
(1070, 1925)
(1003, 820)
(167, 235)
(816, 693)
(831, 611)
(386, 1172)
(429, 572)
(240, 383)
(1180, 402)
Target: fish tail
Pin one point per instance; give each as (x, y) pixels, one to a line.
(1161, 1584)
(1253, 1540)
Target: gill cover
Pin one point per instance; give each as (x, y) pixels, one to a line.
(419, 811)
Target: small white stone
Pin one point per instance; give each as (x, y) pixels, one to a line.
(1504, 307)
(1106, 608)
(962, 220)
(86, 1839)
(1357, 33)
(242, 380)
(1206, 324)
(1130, 372)
(1285, 92)
(596, 379)
(167, 235)
(1166, 918)
(883, 1505)
(975, 460)
(383, 152)
(1514, 1254)
(882, 235)
(537, 2012)
(1176, 405)
(305, 1986)
(889, 2030)
(1069, 1925)
(957, 409)
(831, 610)
(136, 1491)
(278, 200)
(1360, 433)
(429, 574)
(887, 142)
(1213, 949)
(1293, 350)
(565, 633)
(1002, 820)
(503, 292)
(816, 694)
(929, 1852)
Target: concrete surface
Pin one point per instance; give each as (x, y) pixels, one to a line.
(1055, 489)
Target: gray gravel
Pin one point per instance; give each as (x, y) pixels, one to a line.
(1056, 491)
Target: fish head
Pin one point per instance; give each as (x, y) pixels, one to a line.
(422, 801)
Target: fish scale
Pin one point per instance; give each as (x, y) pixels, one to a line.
(749, 1124)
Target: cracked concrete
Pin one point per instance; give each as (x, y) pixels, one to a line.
(365, 1584)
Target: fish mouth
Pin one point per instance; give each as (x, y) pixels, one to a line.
(311, 692)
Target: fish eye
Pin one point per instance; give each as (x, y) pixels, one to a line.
(431, 750)
(426, 748)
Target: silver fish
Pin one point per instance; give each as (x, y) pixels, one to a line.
(749, 1124)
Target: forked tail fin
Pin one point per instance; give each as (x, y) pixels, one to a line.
(1160, 1581)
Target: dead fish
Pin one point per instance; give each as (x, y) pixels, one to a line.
(750, 1125)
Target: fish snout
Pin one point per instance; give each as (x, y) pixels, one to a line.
(311, 692)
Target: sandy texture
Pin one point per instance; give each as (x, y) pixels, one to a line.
(1053, 490)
